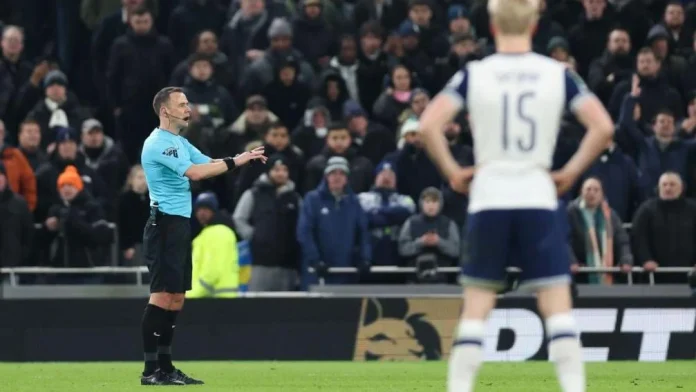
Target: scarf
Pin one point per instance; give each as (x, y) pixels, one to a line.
(58, 116)
(599, 239)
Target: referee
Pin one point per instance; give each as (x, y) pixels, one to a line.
(170, 161)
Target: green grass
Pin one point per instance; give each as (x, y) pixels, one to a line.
(343, 376)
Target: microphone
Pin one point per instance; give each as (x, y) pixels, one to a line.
(178, 118)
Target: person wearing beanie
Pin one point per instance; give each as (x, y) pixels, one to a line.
(79, 227)
(171, 163)
(216, 272)
(370, 139)
(19, 173)
(262, 71)
(267, 216)
(103, 155)
(671, 65)
(332, 229)
(338, 144)
(558, 49)
(386, 211)
(59, 108)
(16, 226)
(429, 240)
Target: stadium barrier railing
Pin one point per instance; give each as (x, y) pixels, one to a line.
(14, 272)
(113, 247)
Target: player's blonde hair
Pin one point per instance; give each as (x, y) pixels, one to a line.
(513, 17)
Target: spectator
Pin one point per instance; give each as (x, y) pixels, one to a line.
(680, 39)
(59, 108)
(79, 225)
(597, 236)
(310, 135)
(103, 156)
(206, 44)
(288, 96)
(432, 39)
(388, 14)
(16, 226)
(66, 154)
(245, 37)
(276, 142)
(106, 33)
(613, 67)
(18, 172)
(262, 71)
(212, 105)
(418, 102)
(338, 144)
(266, 216)
(688, 124)
(134, 210)
(347, 65)
(689, 82)
(207, 208)
(386, 211)
(414, 170)
(332, 228)
(190, 18)
(656, 93)
(588, 37)
(463, 50)
(332, 93)
(370, 139)
(374, 64)
(663, 151)
(250, 127)
(619, 180)
(215, 259)
(459, 22)
(140, 63)
(664, 230)
(395, 99)
(672, 67)
(415, 56)
(546, 29)
(30, 143)
(32, 92)
(558, 49)
(429, 240)
(332, 12)
(313, 36)
(14, 72)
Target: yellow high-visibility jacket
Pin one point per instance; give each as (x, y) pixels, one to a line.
(215, 264)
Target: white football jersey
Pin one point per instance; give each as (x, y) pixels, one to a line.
(515, 104)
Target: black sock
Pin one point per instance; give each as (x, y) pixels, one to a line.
(164, 343)
(154, 319)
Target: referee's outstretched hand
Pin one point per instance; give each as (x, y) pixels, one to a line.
(248, 156)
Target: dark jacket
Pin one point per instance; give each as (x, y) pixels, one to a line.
(377, 143)
(334, 231)
(588, 39)
(221, 108)
(16, 230)
(134, 210)
(360, 177)
(415, 172)
(335, 107)
(288, 102)
(190, 18)
(371, 73)
(82, 230)
(621, 66)
(393, 13)
(620, 182)
(387, 110)
(35, 158)
(546, 29)
(308, 138)
(109, 29)
(250, 173)
(240, 36)
(224, 72)
(314, 38)
(267, 216)
(109, 162)
(263, 71)
(139, 66)
(665, 231)
(42, 114)
(655, 94)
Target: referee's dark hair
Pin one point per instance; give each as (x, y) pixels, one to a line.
(162, 97)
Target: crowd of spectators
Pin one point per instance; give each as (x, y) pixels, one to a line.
(333, 89)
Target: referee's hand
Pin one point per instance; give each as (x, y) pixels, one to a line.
(248, 156)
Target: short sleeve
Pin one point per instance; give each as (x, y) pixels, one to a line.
(197, 156)
(575, 90)
(166, 153)
(457, 87)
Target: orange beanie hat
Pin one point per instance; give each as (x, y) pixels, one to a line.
(71, 177)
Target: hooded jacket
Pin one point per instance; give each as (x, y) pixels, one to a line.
(263, 71)
(216, 272)
(16, 230)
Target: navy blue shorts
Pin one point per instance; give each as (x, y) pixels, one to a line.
(533, 240)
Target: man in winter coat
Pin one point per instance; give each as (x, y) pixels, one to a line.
(386, 211)
(19, 173)
(332, 228)
(16, 226)
(266, 216)
(103, 155)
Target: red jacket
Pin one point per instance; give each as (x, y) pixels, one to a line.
(20, 175)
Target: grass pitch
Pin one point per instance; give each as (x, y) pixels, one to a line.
(343, 376)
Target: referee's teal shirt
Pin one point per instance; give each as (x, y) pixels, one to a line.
(165, 159)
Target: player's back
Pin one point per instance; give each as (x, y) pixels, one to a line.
(515, 104)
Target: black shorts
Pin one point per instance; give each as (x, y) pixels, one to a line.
(167, 251)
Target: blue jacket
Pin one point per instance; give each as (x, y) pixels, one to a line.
(386, 211)
(652, 160)
(619, 177)
(333, 231)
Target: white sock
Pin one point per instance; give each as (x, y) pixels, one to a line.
(466, 356)
(565, 352)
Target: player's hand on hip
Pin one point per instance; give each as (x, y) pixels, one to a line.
(563, 180)
(460, 180)
(248, 156)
